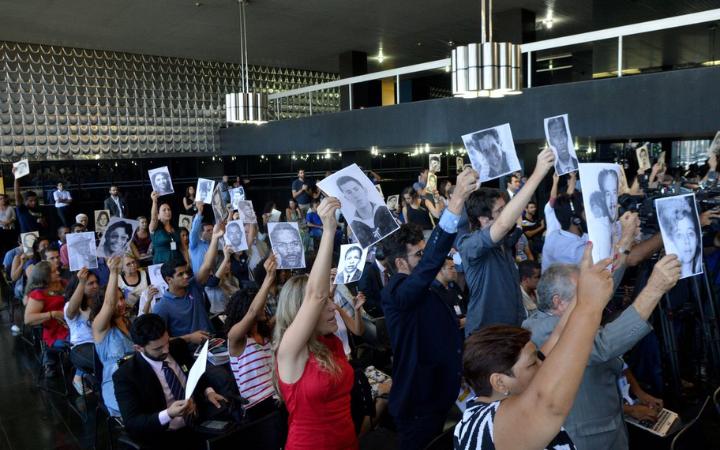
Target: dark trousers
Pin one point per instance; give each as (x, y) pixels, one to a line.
(82, 357)
(64, 216)
(415, 433)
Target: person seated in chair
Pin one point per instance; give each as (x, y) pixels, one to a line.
(150, 388)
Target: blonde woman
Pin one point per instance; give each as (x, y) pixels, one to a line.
(311, 373)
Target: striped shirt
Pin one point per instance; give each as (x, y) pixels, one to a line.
(476, 428)
(253, 372)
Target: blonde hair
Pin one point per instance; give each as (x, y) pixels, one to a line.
(290, 299)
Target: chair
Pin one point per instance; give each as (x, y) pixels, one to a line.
(691, 436)
(716, 399)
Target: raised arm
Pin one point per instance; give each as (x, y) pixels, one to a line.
(546, 402)
(664, 276)
(209, 261)
(196, 227)
(238, 332)
(515, 207)
(17, 266)
(101, 323)
(73, 305)
(153, 212)
(16, 189)
(434, 208)
(572, 179)
(292, 353)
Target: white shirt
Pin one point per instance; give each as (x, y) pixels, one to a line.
(177, 422)
(61, 195)
(551, 222)
(381, 268)
(511, 193)
(117, 202)
(563, 247)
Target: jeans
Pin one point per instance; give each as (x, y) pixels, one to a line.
(82, 357)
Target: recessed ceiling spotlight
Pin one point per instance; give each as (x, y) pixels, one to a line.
(548, 21)
(380, 57)
(198, 4)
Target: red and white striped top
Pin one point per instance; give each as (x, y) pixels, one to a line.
(253, 372)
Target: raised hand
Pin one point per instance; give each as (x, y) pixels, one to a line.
(83, 274)
(630, 224)
(359, 301)
(115, 264)
(665, 274)
(270, 266)
(154, 196)
(466, 183)
(545, 162)
(219, 230)
(595, 283)
(326, 211)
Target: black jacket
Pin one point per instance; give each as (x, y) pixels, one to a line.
(111, 206)
(140, 395)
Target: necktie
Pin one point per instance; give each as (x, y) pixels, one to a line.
(173, 382)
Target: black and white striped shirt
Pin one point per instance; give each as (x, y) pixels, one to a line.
(475, 430)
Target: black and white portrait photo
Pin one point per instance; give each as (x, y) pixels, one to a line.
(681, 232)
(246, 211)
(185, 221)
(431, 185)
(459, 164)
(219, 207)
(557, 133)
(715, 145)
(28, 239)
(434, 162)
(363, 207)
(161, 181)
(600, 184)
(235, 235)
(102, 219)
(351, 263)
(287, 245)
(392, 202)
(643, 158)
(156, 278)
(21, 168)
(492, 152)
(236, 196)
(116, 239)
(82, 251)
(204, 190)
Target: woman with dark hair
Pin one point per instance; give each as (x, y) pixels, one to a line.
(678, 220)
(82, 293)
(414, 211)
(189, 201)
(102, 220)
(249, 331)
(133, 280)
(111, 333)
(522, 397)
(184, 243)
(141, 241)
(165, 238)
(45, 299)
(311, 372)
(117, 237)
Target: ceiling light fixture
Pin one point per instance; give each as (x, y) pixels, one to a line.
(380, 57)
(245, 106)
(548, 21)
(487, 68)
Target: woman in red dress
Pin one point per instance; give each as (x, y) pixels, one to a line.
(45, 301)
(312, 373)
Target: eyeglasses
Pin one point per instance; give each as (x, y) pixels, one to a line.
(417, 254)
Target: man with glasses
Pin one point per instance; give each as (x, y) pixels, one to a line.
(424, 330)
(487, 252)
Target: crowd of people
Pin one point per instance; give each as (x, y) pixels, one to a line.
(479, 290)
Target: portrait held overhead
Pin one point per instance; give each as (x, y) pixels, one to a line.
(681, 231)
(235, 235)
(492, 152)
(116, 239)
(363, 207)
(161, 181)
(82, 252)
(204, 191)
(557, 133)
(600, 183)
(328, 225)
(287, 245)
(351, 263)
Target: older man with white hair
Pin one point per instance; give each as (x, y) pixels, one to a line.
(596, 420)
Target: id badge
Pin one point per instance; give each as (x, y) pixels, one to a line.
(173, 246)
(458, 311)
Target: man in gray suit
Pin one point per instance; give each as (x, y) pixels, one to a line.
(596, 420)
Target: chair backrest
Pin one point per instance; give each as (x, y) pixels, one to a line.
(716, 399)
(691, 436)
(442, 442)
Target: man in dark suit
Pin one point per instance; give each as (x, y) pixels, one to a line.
(150, 388)
(424, 330)
(116, 204)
